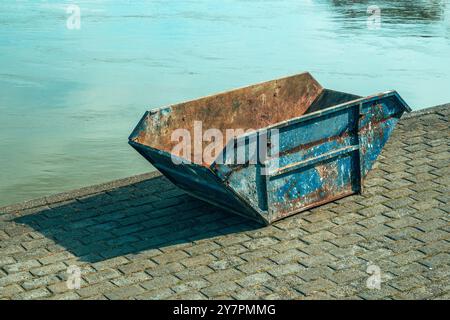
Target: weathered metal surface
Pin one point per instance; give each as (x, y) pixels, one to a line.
(252, 107)
(328, 141)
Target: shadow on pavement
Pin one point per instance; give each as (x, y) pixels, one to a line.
(151, 214)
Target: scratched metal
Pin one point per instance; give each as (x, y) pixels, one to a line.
(328, 142)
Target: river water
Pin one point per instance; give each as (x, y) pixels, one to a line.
(69, 97)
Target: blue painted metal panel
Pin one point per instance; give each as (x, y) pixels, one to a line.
(323, 155)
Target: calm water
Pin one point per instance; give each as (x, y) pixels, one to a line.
(69, 98)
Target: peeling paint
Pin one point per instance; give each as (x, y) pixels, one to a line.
(324, 154)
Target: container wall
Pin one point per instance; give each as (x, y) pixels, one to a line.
(378, 120)
(318, 162)
(198, 181)
(249, 108)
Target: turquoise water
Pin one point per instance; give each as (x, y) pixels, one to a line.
(69, 98)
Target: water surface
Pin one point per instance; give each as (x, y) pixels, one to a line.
(69, 98)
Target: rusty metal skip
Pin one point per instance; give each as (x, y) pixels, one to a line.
(327, 142)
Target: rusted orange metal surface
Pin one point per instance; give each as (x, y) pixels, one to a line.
(252, 107)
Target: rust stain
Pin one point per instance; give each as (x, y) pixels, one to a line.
(252, 107)
(312, 200)
(328, 172)
(327, 192)
(305, 146)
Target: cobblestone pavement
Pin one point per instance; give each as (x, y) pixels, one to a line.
(142, 238)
